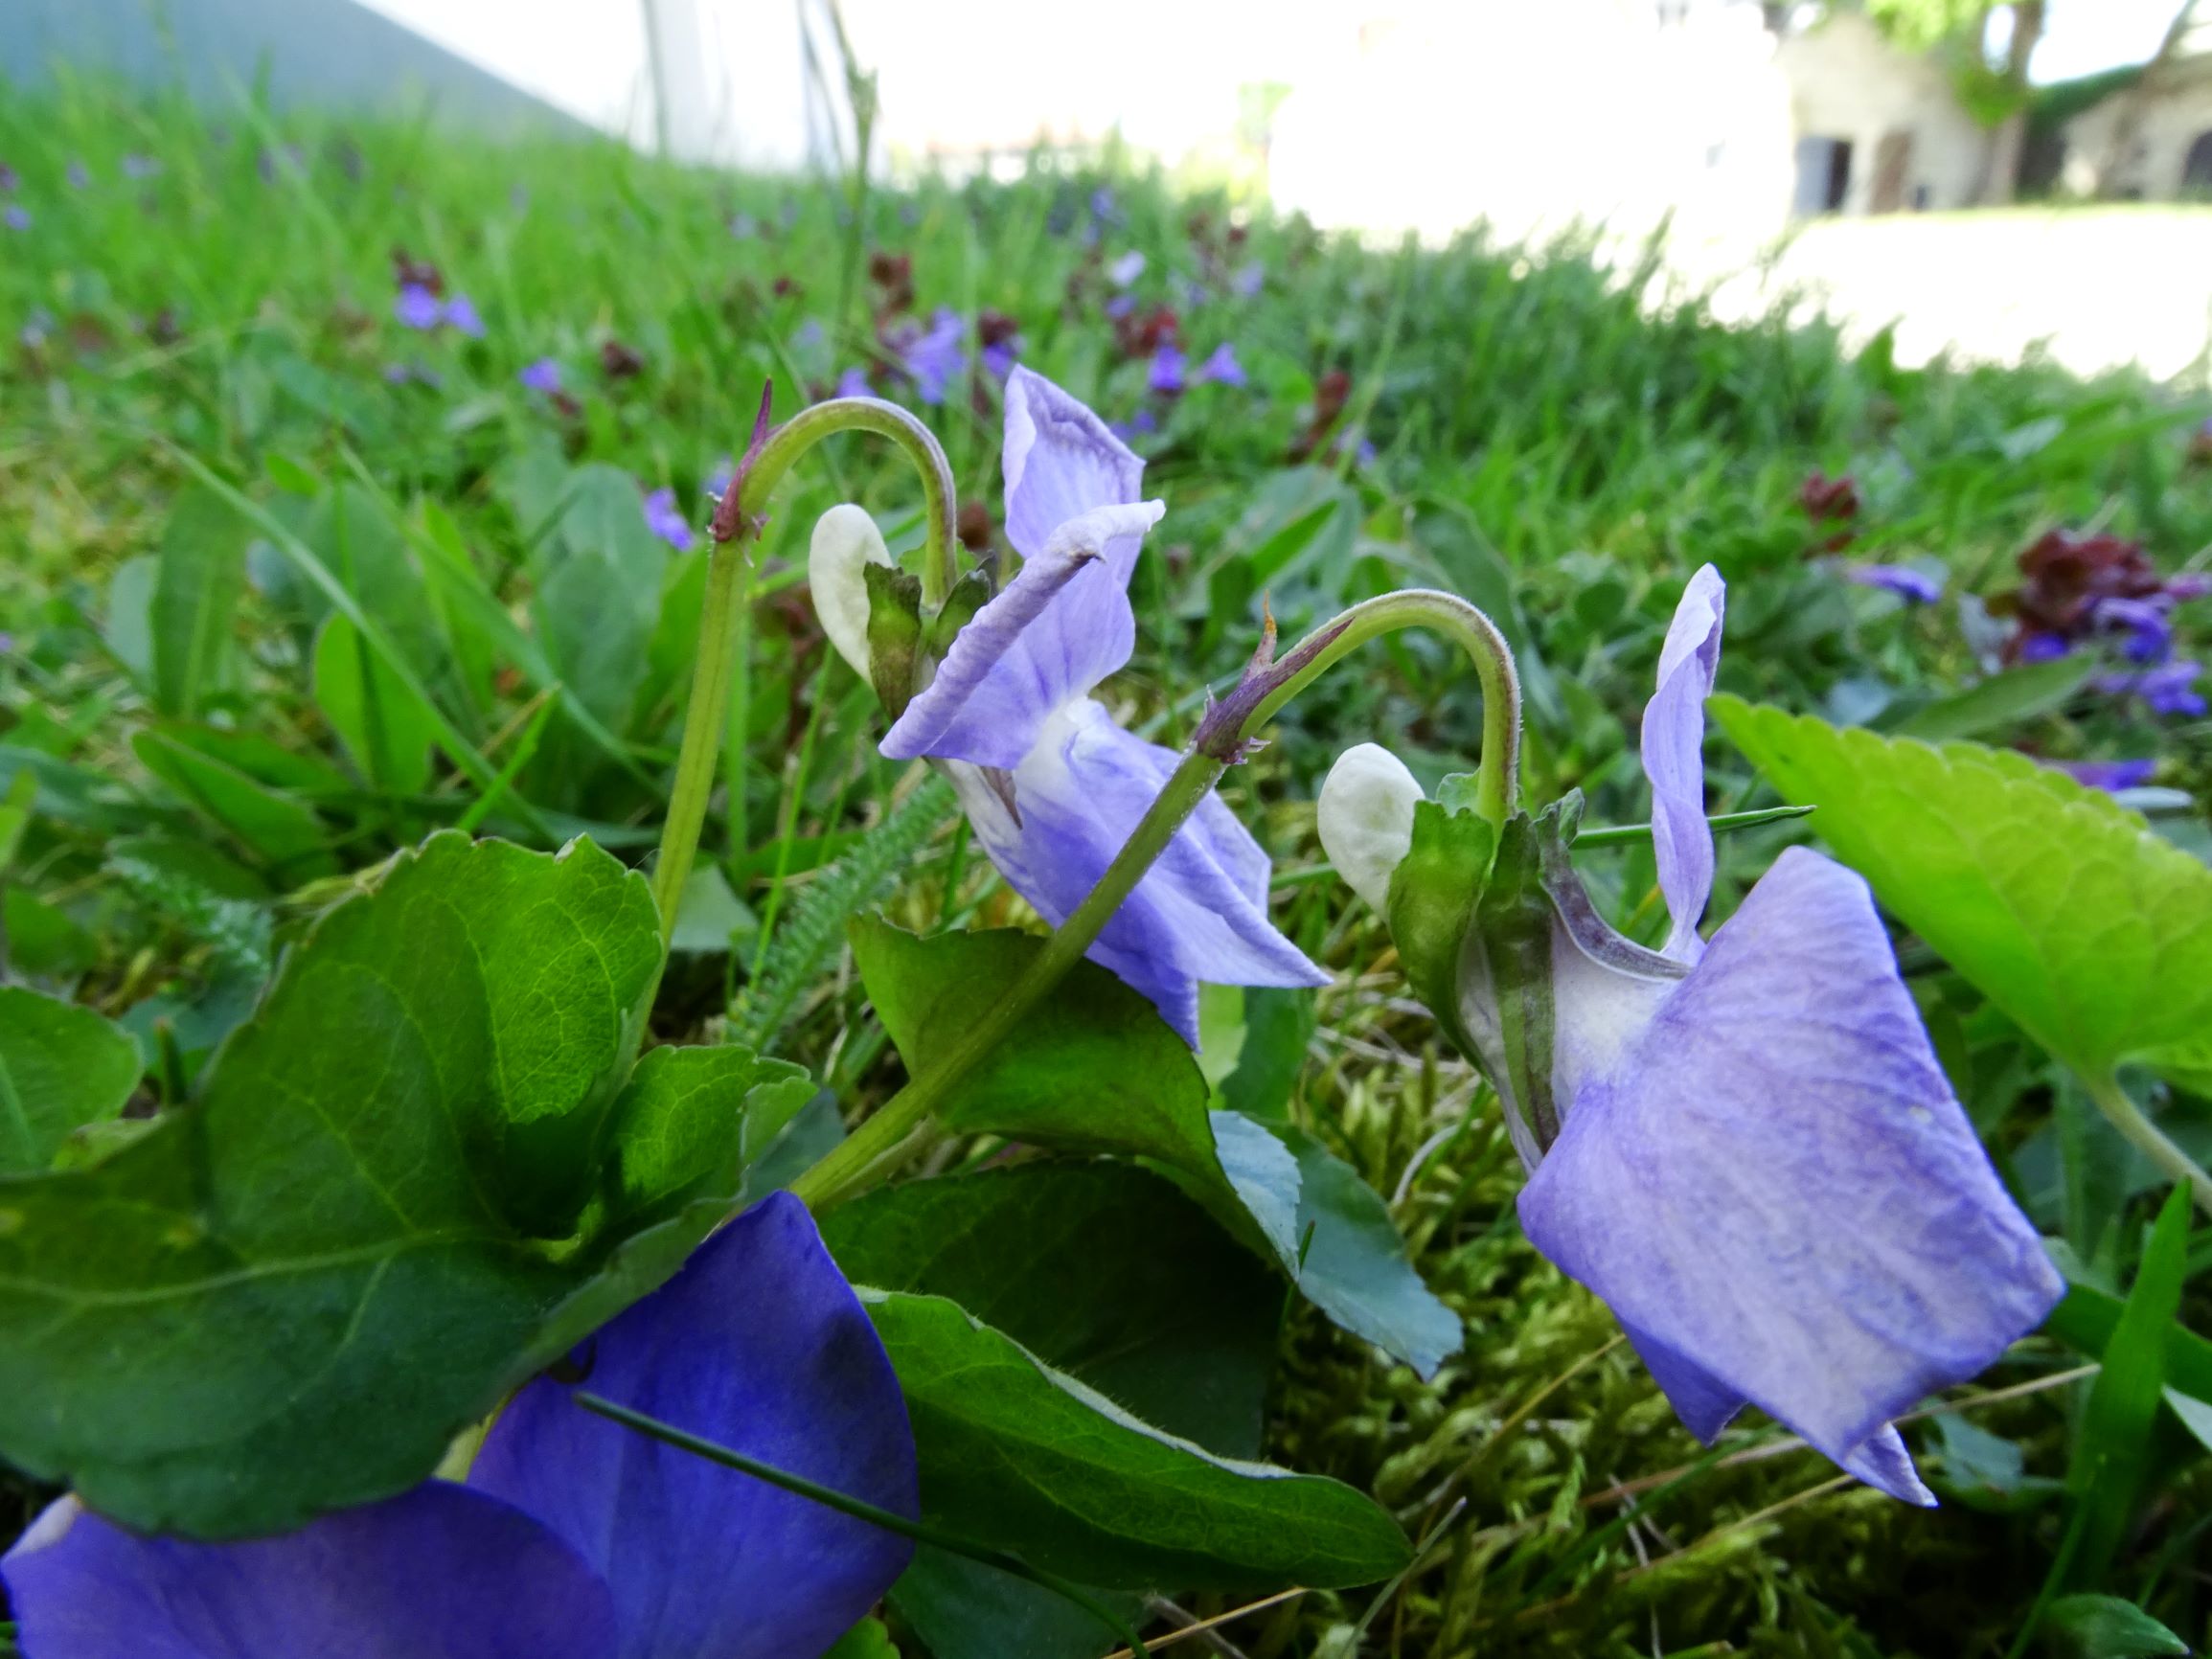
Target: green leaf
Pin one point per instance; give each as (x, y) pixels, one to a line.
(128, 629)
(2107, 1627)
(389, 1204)
(1433, 895)
(2002, 701)
(2060, 905)
(1021, 1456)
(2087, 1318)
(963, 1609)
(1350, 1261)
(2112, 1466)
(280, 833)
(1278, 1025)
(709, 916)
(599, 590)
(62, 1067)
(200, 577)
(1103, 1270)
(866, 1640)
(1093, 1069)
(385, 727)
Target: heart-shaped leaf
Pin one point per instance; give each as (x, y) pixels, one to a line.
(61, 1068)
(412, 1177)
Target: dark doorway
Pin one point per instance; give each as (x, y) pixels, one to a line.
(1823, 175)
(2197, 169)
(1892, 161)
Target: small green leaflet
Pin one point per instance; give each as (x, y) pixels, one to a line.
(198, 580)
(2107, 1627)
(62, 1068)
(1020, 1456)
(2058, 905)
(416, 1174)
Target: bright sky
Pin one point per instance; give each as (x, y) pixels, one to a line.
(588, 56)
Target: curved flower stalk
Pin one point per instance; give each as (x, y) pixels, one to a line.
(1746, 1147)
(573, 1538)
(1052, 785)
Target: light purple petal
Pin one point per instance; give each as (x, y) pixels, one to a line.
(1061, 461)
(2109, 775)
(417, 307)
(759, 1344)
(1674, 759)
(462, 316)
(1199, 913)
(1913, 586)
(1165, 375)
(1223, 366)
(1776, 1188)
(437, 1573)
(1057, 630)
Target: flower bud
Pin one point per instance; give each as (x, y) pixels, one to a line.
(846, 542)
(1365, 818)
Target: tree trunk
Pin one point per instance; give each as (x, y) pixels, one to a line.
(2128, 118)
(2009, 141)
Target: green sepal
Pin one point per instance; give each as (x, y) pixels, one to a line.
(1433, 895)
(1514, 921)
(968, 595)
(894, 634)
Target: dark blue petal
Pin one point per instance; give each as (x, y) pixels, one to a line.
(437, 1573)
(1201, 913)
(758, 1344)
(1777, 1194)
(1673, 742)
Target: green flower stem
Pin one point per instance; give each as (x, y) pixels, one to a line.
(859, 1508)
(2127, 1117)
(729, 582)
(880, 1136)
(853, 1157)
(1499, 785)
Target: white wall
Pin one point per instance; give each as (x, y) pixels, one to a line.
(2175, 109)
(1847, 82)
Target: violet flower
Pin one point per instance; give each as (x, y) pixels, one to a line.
(417, 307)
(2043, 647)
(1051, 784)
(15, 217)
(2168, 689)
(79, 176)
(542, 375)
(1165, 377)
(1221, 366)
(666, 519)
(573, 1537)
(1126, 269)
(2111, 776)
(461, 316)
(141, 167)
(1249, 279)
(1913, 586)
(854, 383)
(1746, 1147)
(935, 357)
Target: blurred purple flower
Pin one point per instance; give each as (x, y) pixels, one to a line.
(719, 480)
(744, 226)
(397, 373)
(141, 167)
(461, 316)
(1248, 280)
(1914, 588)
(2150, 633)
(418, 307)
(935, 357)
(1120, 305)
(2169, 689)
(9, 177)
(2043, 647)
(999, 358)
(809, 334)
(542, 375)
(37, 329)
(1126, 269)
(1221, 367)
(78, 176)
(1166, 376)
(2109, 775)
(15, 217)
(1102, 205)
(666, 520)
(1136, 427)
(854, 383)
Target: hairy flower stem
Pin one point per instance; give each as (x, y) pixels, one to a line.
(729, 582)
(882, 1135)
(2127, 1117)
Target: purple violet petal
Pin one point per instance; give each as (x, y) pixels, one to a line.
(542, 375)
(758, 1344)
(1914, 588)
(461, 316)
(667, 520)
(417, 307)
(1048, 638)
(437, 1573)
(1673, 742)
(1059, 461)
(1715, 1189)
(1221, 367)
(1126, 269)
(2113, 776)
(1199, 913)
